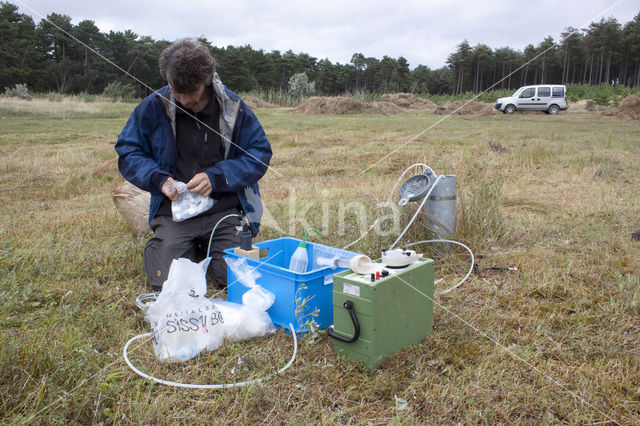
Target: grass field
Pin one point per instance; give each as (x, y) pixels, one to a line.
(556, 341)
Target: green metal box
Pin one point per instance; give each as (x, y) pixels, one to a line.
(393, 312)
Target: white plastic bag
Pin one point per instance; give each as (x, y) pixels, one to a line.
(257, 297)
(251, 318)
(188, 204)
(243, 322)
(183, 321)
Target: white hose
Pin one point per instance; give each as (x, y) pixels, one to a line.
(215, 227)
(418, 210)
(212, 386)
(147, 297)
(389, 201)
(452, 242)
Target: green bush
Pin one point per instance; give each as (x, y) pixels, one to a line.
(18, 91)
(300, 87)
(603, 94)
(117, 91)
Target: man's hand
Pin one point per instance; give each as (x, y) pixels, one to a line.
(200, 184)
(169, 189)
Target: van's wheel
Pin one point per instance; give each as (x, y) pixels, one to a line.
(553, 109)
(509, 109)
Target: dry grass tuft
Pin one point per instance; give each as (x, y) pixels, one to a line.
(389, 104)
(345, 105)
(255, 102)
(629, 108)
(67, 107)
(409, 101)
(465, 107)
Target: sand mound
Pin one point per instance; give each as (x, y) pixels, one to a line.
(629, 108)
(345, 105)
(254, 102)
(409, 101)
(470, 108)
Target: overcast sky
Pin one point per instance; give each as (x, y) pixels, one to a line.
(424, 32)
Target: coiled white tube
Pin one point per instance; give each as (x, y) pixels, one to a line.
(140, 303)
(411, 167)
(418, 210)
(452, 242)
(211, 386)
(216, 227)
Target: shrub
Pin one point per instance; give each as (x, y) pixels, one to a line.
(18, 91)
(602, 98)
(300, 87)
(117, 91)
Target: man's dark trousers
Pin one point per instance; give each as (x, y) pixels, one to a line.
(190, 239)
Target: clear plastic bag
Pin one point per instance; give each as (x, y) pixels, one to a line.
(257, 297)
(243, 322)
(188, 204)
(183, 321)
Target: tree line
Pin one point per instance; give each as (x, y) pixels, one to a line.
(47, 58)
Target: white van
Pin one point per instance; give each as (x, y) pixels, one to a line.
(550, 98)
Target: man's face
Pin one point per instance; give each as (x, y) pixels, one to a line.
(194, 101)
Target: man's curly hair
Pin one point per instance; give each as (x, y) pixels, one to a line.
(186, 64)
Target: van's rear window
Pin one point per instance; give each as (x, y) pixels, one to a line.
(558, 92)
(544, 92)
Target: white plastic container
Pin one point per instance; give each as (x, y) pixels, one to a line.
(299, 260)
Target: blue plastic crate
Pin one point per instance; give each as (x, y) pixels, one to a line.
(312, 289)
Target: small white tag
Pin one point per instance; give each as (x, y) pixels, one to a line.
(328, 280)
(351, 289)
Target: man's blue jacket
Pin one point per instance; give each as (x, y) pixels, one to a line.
(147, 150)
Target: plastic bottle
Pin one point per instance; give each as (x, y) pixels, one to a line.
(300, 259)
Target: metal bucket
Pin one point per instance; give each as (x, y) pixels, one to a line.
(440, 208)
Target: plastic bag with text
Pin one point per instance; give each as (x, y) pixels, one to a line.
(183, 321)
